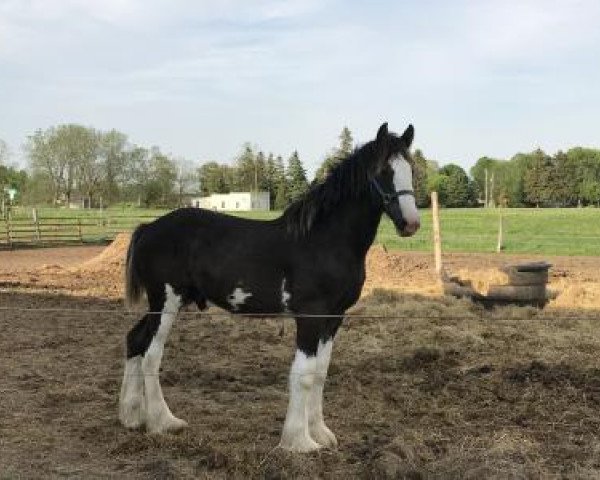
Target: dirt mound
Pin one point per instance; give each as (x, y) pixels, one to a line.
(397, 270)
(111, 260)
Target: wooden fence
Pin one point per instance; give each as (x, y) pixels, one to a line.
(36, 231)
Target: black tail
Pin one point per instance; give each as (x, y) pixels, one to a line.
(134, 290)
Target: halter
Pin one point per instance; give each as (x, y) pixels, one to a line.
(388, 197)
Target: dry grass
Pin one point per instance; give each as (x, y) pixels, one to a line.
(444, 390)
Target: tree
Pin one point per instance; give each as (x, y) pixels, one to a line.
(538, 179)
(11, 177)
(483, 171)
(83, 148)
(186, 179)
(590, 191)
(4, 152)
(340, 153)
(565, 190)
(420, 175)
(454, 187)
(245, 170)
(163, 174)
(137, 173)
(215, 178)
(282, 194)
(296, 176)
(113, 157)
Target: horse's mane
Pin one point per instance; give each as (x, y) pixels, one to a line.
(346, 180)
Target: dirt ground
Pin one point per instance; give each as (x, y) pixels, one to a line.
(443, 390)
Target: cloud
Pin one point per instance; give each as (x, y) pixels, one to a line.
(460, 63)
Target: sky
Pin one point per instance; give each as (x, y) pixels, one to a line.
(200, 78)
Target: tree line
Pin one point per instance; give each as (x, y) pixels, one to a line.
(68, 163)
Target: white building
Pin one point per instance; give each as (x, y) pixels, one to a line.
(234, 201)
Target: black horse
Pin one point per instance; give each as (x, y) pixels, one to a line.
(308, 262)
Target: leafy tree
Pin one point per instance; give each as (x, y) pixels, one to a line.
(113, 156)
(296, 175)
(163, 175)
(479, 176)
(455, 188)
(11, 177)
(186, 179)
(590, 191)
(214, 178)
(83, 147)
(48, 161)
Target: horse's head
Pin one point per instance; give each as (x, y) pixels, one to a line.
(393, 179)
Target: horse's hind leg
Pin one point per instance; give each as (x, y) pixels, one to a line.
(142, 400)
(158, 415)
(132, 404)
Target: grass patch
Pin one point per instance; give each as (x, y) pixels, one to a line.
(557, 231)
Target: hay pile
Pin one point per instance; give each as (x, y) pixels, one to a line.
(482, 280)
(111, 260)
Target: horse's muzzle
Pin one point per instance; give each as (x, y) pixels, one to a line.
(408, 229)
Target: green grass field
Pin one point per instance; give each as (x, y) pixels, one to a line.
(545, 231)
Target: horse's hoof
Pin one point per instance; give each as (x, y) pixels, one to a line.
(300, 444)
(167, 424)
(323, 436)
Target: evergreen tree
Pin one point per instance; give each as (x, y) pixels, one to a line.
(420, 179)
(538, 180)
(280, 184)
(339, 154)
(261, 175)
(296, 175)
(245, 172)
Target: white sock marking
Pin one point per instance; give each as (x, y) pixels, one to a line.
(295, 435)
(318, 430)
(238, 297)
(159, 417)
(132, 402)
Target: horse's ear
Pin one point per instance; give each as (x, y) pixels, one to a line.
(408, 135)
(382, 143)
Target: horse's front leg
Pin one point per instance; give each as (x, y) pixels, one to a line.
(296, 434)
(316, 424)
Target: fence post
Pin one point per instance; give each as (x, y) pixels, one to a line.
(8, 237)
(79, 229)
(437, 240)
(500, 245)
(36, 222)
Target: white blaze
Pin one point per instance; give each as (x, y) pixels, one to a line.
(403, 181)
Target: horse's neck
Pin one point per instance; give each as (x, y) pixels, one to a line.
(355, 224)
